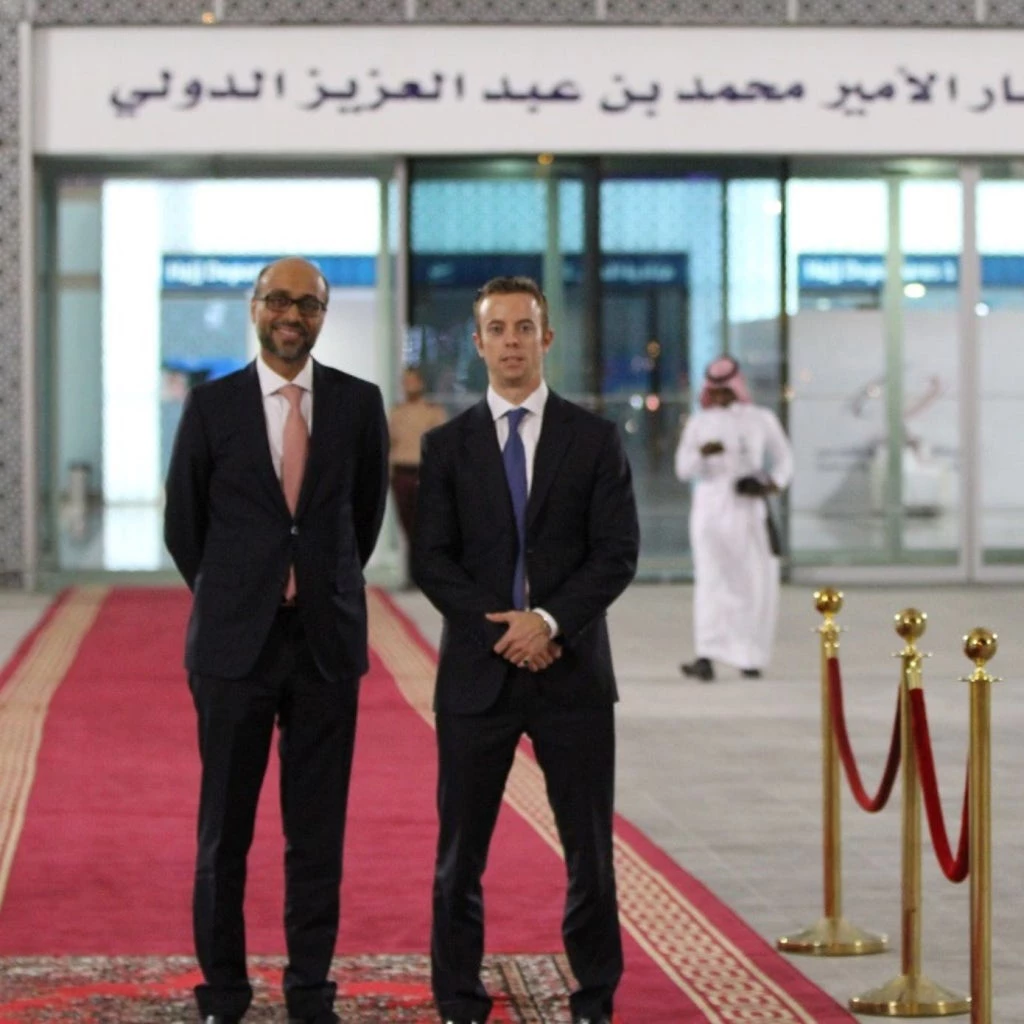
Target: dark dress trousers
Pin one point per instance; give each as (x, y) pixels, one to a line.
(253, 663)
(582, 542)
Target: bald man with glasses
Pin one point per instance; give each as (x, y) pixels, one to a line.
(275, 497)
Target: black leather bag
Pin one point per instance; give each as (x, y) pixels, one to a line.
(751, 486)
(774, 540)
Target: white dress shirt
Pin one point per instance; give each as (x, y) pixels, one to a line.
(275, 405)
(529, 431)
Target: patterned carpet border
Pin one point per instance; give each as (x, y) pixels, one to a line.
(158, 990)
(30, 681)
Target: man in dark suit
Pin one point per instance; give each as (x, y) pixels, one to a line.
(526, 532)
(271, 525)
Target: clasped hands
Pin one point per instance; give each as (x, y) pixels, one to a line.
(527, 642)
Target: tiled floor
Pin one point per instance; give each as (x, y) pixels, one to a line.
(726, 777)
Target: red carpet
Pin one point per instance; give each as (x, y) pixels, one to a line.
(98, 859)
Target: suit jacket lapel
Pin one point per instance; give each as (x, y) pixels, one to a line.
(555, 437)
(481, 441)
(325, 407)
(252, 401)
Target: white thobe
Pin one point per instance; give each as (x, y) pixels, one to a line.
(736, 576)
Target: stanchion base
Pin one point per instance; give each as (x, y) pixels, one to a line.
(910, 996)
(833, 936)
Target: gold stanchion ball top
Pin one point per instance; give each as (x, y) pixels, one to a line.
(980, 645)
(828, 601)
(911, 624)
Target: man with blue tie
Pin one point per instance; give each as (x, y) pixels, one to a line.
(526, 532)
(275, 496)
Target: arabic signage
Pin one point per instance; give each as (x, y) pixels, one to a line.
(858, 271)
(439, 89)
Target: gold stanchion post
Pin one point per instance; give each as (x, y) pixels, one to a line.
(911, 994)
(833, 935)
(980, 646)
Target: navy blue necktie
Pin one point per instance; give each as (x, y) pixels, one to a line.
(514, 457)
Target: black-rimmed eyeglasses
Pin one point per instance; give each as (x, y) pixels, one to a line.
(281, 302)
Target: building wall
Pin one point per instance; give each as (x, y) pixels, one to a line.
(14, 487)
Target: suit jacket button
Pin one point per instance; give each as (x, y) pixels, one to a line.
(294, 530)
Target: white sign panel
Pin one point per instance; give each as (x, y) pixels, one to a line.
(424, 90)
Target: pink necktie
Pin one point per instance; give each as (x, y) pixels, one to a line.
(293, 460)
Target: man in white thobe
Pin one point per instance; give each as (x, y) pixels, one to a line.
(736, 454)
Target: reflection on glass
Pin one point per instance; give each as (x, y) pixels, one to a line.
(152, 285)
(837, 365)
(467, 230)
(932, 237)
(662, 307)
(1001, 380)
(849, 344)
(661, 319)
(754, 274)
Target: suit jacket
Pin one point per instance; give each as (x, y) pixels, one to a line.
(582, 541)
(231, 535)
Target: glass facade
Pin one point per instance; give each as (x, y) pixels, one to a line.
(1000, 386)
(148, 283)
(874, 370)
(837, 286)
(650, 269)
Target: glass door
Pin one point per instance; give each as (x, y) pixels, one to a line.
(651, 268)
(1000, 387)
(691, 268)
(874, 370)
(148, 284)
(662, 320)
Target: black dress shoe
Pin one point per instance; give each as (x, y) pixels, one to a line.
(221, 1018)
(750, 673)
(703, 670)
(460, 1020)
(603, 1019)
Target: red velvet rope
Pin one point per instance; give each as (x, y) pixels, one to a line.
(860, 794)
(954, 870)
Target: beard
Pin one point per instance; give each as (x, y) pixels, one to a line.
(291, 352)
